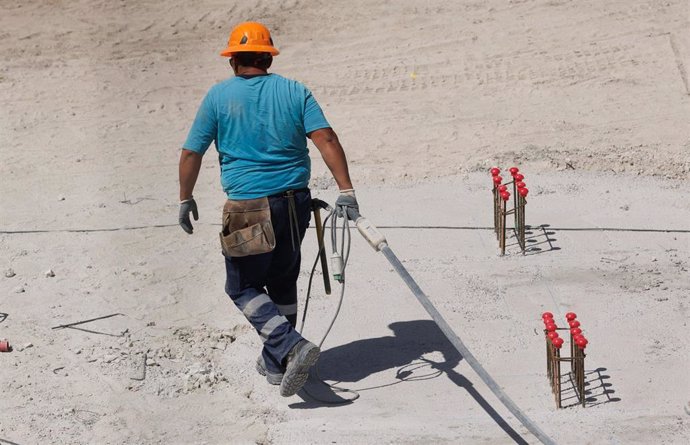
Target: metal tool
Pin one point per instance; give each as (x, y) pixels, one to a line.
(316, 206)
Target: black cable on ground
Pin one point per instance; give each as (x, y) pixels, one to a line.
(545, 227)
(160, 226)
(113, 229)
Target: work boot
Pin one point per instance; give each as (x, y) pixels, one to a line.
(302, 357)
(274, 378)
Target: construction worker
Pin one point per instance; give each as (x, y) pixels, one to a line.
(260, 123)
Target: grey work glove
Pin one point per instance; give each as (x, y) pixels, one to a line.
(186, 206)
(347, 200)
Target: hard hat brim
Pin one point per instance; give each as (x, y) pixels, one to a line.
(230, 50)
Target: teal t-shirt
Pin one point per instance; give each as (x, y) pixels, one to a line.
(260, 126)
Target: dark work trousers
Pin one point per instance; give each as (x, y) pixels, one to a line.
(264, 286)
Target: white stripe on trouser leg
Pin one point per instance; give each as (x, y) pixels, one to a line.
(287, 309)
(254, 304)
(271, 326)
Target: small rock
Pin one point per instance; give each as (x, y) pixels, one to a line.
(151, 323)
(26, 346)
(9, 273)
(18, 290)
(110, 358)
(219, 345)
(151, 362)
(625, 207)
(61, 198)
(49, 273)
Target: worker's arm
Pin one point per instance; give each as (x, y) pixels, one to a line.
(190, 165)
(333, 155)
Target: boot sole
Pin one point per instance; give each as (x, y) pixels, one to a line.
(297, 373)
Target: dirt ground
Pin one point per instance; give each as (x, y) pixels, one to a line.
(590, 99)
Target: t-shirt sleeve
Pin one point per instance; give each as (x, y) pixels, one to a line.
(204, 128)
(313, 115)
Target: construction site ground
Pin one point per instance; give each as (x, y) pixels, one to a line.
(589, 99)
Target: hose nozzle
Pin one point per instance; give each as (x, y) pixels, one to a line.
(371, 233)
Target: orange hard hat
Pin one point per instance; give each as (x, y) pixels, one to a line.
(250, 37)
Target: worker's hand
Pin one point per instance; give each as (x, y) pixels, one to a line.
(186, 206)
(347, 201)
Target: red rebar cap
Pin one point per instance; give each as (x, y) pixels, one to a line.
(552, 335)
(520, 185)
(495, 171)
(546, 315)
(577, 337)
(551, 327)
(502, 188)
(575, 331)
(497, 179)
(5, 346)
(574, 324)
(581, 342)
(557, 342)
(570, 316)
(505, 196)
(519, 177)
(523, 191)
(513, 170)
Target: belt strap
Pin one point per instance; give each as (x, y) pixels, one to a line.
(285, 193)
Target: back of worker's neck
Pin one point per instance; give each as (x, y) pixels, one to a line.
(250, 71)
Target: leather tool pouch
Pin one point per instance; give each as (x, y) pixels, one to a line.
(247, 228)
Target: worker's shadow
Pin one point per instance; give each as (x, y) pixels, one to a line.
(405, 351)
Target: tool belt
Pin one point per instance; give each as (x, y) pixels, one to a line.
(247, 228)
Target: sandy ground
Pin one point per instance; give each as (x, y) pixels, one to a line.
(591, 99)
